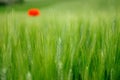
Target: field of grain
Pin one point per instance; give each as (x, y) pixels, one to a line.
(70, 40)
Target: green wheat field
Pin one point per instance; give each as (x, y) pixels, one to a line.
(70, 40)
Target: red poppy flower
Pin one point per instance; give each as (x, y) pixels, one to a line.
(34, 12)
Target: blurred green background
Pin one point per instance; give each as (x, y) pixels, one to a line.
(79, 5)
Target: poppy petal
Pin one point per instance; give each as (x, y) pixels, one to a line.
(34, 12)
